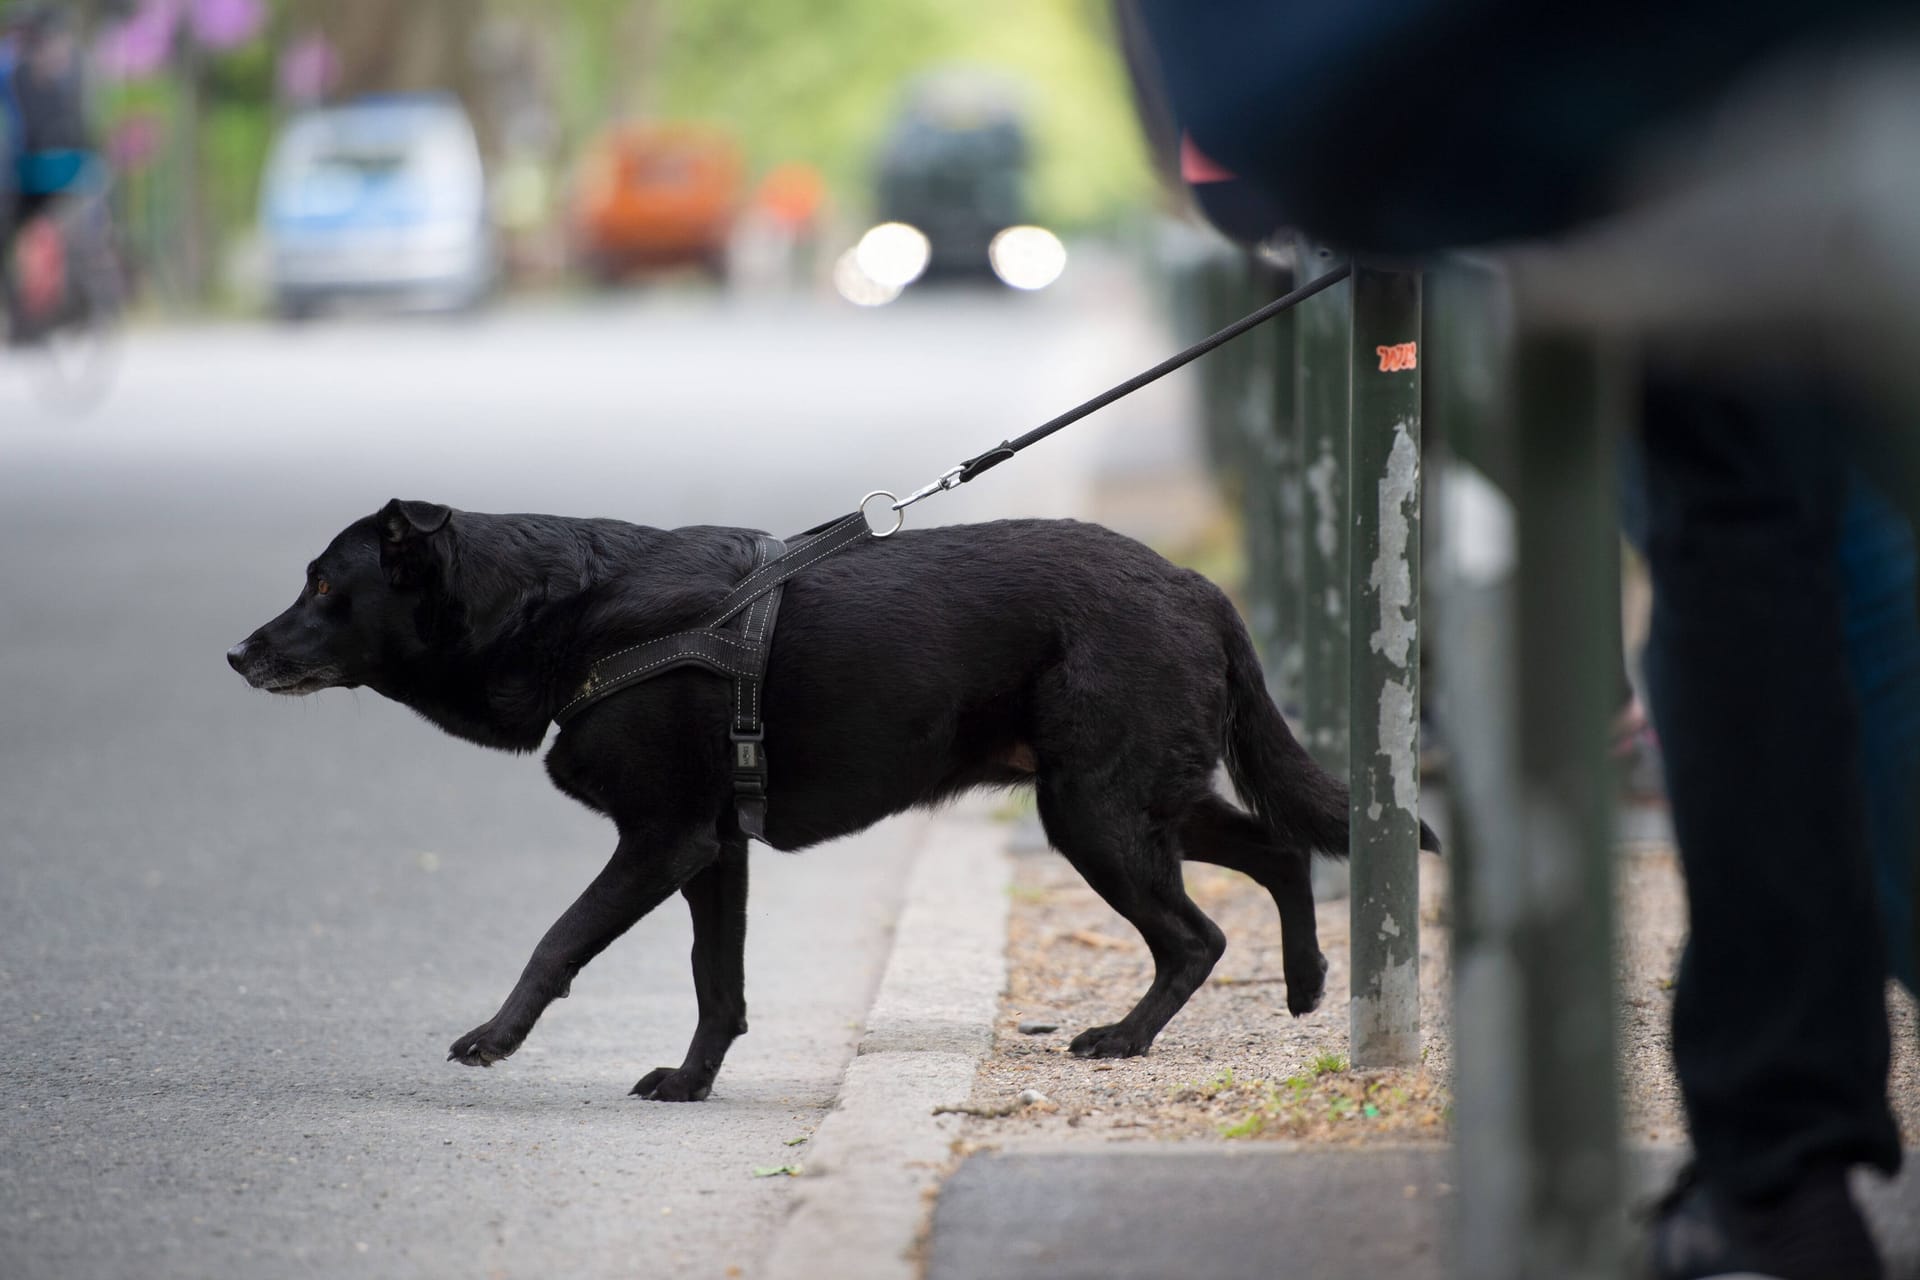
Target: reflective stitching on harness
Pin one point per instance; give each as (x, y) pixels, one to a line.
(727, 608)
(704, 632)
(841, 546)
(748, 682)
(760, 612)
(766, 611)
(627, 677)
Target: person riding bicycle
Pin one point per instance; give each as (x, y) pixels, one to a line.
(46, 147)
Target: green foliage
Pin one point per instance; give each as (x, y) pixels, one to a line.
(1246, 1126)
(820, 83)
(234, 139)
(1214, 1087)
(1329, 1064)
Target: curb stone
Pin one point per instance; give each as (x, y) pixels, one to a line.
(869, 1172)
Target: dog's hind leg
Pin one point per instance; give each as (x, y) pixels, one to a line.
(718, 897)
(1136, 868)
(644, 871)
(1216, 832)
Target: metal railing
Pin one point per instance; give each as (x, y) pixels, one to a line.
(1322, 417)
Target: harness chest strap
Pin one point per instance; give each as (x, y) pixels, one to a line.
(732, 641)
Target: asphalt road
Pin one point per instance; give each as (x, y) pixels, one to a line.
(1148, 1212)
(237, 933)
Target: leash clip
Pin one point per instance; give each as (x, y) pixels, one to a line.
(898, 506)
(948, 480)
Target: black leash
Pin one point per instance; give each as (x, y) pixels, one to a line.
(1007, 448)
(737, 635)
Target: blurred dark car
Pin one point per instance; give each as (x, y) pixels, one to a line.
(652, 196)
(954, 167)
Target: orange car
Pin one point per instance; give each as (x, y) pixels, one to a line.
(656, 195)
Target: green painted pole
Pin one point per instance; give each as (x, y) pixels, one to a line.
(1527, 662)
(1384, 662)
(1224, 291)
(1322, 343)
(1250, 373)
(1281, 650)
(1468, 402)
(1568, 409)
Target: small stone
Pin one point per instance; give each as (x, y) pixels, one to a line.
(1033, 1098)
(1038, 1027)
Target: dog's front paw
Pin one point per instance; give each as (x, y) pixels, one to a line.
(674, 1084)
(1116, 1041)
(483, 1046)
(1306, 984)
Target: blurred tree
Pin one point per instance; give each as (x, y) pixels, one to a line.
(811, 81)
(819, 80)
(385, 47)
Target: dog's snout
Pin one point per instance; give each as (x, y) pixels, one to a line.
(237, 656)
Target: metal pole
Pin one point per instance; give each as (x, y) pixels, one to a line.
(1473, 696)
(1384, 661)
(1282, 651)
(1569, 604)
(1252, 406)
(1320, 432)
(1320, 379)
(1277, 542)
(1223, 290)
(1528, 668)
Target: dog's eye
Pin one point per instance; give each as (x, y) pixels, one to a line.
(321, 587)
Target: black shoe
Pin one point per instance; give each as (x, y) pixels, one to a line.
(1813, 1231)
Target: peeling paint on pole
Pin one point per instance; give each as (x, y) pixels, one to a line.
(1384, 666)
(1392, 575)
(1399, 731)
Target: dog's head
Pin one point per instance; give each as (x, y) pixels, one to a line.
(363, 609)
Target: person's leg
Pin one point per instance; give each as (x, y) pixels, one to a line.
(1883, 652)
(1780, 1035)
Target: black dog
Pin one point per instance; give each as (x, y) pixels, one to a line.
(902, 672)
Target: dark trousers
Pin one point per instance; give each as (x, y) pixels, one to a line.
(1780, 1033)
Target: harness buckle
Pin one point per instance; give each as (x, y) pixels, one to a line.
(749, 761)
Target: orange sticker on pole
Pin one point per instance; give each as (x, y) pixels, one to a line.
(1398, 357)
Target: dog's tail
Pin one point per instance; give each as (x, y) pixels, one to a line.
(1303, 805)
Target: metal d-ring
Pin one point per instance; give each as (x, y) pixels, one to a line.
(899, 516)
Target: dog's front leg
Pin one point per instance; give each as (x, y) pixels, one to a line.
(718, 898)
(643, 873)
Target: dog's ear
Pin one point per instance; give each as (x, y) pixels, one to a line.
(400, 520)
(412, 535)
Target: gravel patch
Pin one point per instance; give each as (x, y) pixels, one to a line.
(1233, 1065)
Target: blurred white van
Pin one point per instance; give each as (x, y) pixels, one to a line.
(382, 197)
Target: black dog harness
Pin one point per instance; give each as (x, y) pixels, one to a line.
(733, 641)
(736, 637)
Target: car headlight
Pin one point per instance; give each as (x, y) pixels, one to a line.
(856, 286)
(1027, 257)
(893, 254)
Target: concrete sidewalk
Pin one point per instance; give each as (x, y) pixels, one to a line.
(1252, 1213)
(882, 1195)
(869, 1173)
